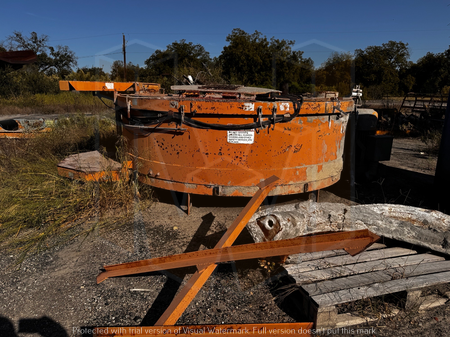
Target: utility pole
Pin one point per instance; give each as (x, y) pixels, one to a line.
(124, 60)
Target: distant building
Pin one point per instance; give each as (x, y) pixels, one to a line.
(17, 59)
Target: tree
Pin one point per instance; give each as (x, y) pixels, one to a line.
(89, 74)
(252, 59)
(336, 74)
(180, 58)
(132, 73)
(51, 60)
(382, 69)
(432, 72)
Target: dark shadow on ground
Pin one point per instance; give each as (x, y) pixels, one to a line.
(174, 278)
(291, 298)
(44, 326)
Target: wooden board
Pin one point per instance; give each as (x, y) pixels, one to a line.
(334, 277)
(303, 277)
(360, 268)
(298, 258)
(335, 261)
(356, 281)
(378, 289)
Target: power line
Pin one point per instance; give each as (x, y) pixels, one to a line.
(83, 37)
(82, 57)
(304, 32)
(269, 33)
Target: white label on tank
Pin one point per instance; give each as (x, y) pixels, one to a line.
(248, 107)
(241, 137)
(109, 85)
(284, 106)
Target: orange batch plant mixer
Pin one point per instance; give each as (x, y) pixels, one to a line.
(225, 139)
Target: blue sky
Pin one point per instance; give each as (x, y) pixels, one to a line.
(318, 27)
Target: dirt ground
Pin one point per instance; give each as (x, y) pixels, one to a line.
(54, 293)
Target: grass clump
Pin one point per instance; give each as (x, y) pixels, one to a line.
(47, 103)
(39, 208)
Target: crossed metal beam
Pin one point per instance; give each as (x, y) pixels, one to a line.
(206, 261)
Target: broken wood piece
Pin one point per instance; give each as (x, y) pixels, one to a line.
(422, 227)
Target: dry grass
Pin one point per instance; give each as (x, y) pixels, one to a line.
(38, 208)
(51, 103)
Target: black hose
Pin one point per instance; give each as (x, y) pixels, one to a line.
(158, 117)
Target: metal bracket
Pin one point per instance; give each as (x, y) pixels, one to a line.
(128, 107)
(182, 115)
(274, 115)
(259, 119)
(337, 107)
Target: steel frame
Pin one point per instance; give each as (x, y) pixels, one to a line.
(206, 262)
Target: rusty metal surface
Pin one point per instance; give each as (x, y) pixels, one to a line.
(108, 86)
(217, 145)
(22, 127)
(193, 286)
(91, 166)
(306, 153)
(233, 330)
(353, 242)
(223, 89)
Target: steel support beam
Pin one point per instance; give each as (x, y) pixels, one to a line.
(195, 283)
(353, 242)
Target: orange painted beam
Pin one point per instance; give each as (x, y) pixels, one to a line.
(107, 86)
(195, 283)
(232, 330)
(353, 242)
(21, 134)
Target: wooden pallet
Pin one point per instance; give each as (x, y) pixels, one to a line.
(334, 277)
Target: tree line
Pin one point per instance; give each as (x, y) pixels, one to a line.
(247, 59)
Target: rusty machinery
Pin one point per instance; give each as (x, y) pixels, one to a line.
(223, 140)
(228, 141)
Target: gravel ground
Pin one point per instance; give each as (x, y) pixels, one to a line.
(54, 293)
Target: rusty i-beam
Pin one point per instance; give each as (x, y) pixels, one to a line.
(353, 242)
(206, 262)
(195, 283)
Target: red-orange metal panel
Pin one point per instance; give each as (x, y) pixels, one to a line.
(307, 150)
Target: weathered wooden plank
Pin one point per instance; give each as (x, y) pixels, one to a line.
(303, 277)
(375, 277)
(431, 301)
(298, 258)
(344, 320)
(378, 289)
(330, 262)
